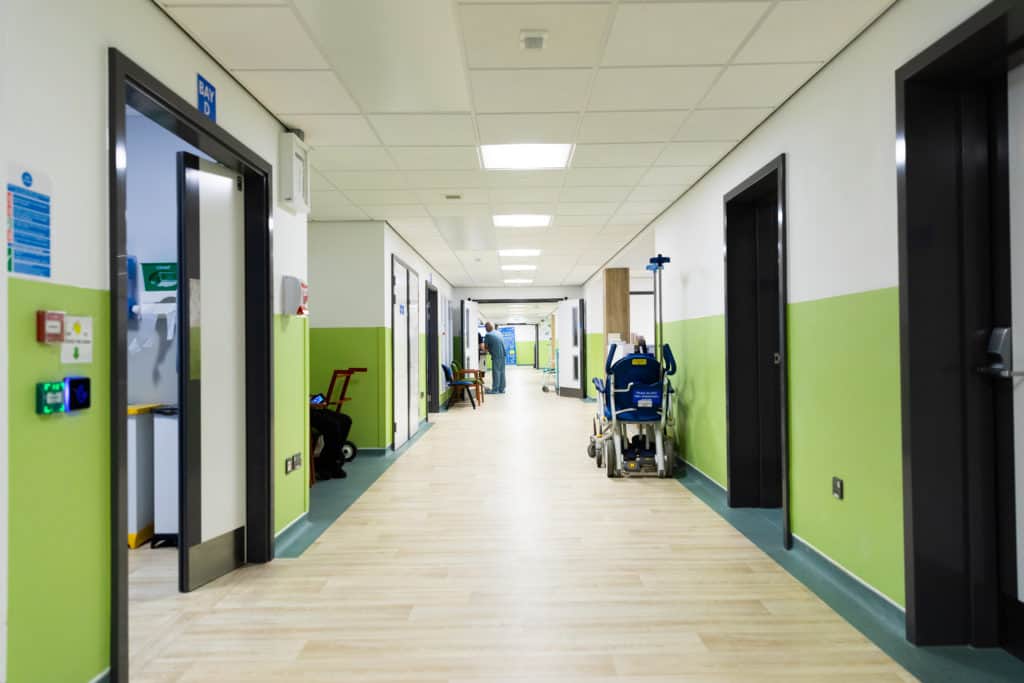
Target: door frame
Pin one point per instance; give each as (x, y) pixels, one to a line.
(409, 350)
(129, 83)
(776, 166)
(432, 303)
(948, 512)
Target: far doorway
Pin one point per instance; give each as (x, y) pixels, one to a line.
(755, 332)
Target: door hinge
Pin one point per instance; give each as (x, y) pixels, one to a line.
(394, 427)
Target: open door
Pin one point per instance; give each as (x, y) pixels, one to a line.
(400, 351)
(435, 316)
(569, 348)
(212, 426)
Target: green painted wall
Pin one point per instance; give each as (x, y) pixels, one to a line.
(364, 347)
(59, 502)
(595, 362)
(844, 384)
(844, 410)
(524, 352)
(291, 417)
(699, 348)
(544, 353)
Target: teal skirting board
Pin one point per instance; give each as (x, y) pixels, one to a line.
(878, 619)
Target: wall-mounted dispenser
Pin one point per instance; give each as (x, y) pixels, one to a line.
(293, 173)
(295, 297)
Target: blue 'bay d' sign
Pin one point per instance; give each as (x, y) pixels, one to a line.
(207, 98)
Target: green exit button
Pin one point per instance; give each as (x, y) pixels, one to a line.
(49, 398)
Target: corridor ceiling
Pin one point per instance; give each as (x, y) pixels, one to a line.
(396, 96)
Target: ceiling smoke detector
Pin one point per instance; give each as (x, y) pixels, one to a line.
(532, 39)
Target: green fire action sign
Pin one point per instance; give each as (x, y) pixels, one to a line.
(160, 277)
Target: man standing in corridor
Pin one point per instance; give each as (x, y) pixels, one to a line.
(496, 347)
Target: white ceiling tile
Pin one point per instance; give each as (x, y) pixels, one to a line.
(760, 85)
(630, 126)
(381, 197)
(583, 177)
(523, 208)
(530, 90)
(332, 206)
(392, 55)
(333, 129)
(641, 208)
(565, 221)
(497, 129)
(545, 195)
(436, 158)
(574, 34)
(809, 30)
(721, 124)
(414, 225)
(440, 196)
(366, 180)
(455, 209)
(673, 175)
(252, 37)
(594, 194)
(623, 154)
(172, 3)
(587, 208)
(351, 158)
(394, 211)
(524, 178)
(693, 153)
(424, 129)
(630, 219)
(318, 183)
(680, 33)
(646, 193)
(298, 92)
(651, 88)
(445, 179)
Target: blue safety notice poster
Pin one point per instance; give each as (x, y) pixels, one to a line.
(508, 335)
(28, 223)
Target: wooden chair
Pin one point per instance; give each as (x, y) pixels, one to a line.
(462, 386)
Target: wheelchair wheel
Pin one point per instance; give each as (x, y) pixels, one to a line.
(612, 460)
(349, 451)
(600, 460)
(591, 451)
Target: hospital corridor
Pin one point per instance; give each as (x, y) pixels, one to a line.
(512, 341)
(490, 552)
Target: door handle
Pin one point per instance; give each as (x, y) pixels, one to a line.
(1000, 353)
(776, 358)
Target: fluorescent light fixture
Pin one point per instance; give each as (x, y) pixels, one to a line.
(525, 157)
(521, 220)
(518, 252)
(518, 266)
(518, 281)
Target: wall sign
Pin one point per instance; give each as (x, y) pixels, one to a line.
(508, 335)
(28, 222)
(77, 346)
(206, 98)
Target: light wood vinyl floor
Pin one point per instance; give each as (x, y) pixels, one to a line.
(494, 551)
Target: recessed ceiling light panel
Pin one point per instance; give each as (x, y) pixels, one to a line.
(525, 157)
(518, 266)
(518, 281)
(522, 220)
(517, 253)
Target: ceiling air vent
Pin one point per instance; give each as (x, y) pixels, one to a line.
(532, 39)
(453, 196)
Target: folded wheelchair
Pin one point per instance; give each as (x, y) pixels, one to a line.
(634, 415)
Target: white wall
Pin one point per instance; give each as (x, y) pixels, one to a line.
(60, 51)
(396, 244)
(839, 136)
(346, 285)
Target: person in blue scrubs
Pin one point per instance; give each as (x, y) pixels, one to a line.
(496, 347)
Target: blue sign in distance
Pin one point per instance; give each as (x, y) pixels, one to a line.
(26, 179)
(206, 98)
